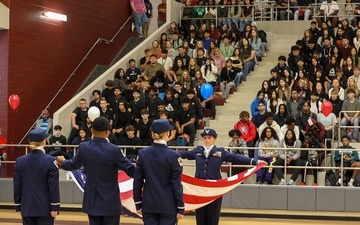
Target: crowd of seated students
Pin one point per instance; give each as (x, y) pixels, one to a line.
(241, 12)
(287, 110)
(166, 84)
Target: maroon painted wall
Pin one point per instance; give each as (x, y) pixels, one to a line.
(42, 53)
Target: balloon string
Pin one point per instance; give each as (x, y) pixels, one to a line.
(12, 135)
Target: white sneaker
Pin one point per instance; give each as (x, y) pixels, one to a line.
(350, 184)
(227, 100)
(338, 183)
(291, 182)
(132, 27)
(282, 182)
(264, 54)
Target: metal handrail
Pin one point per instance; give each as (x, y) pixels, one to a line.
(230, 148)
(268, 5)
(98, 41)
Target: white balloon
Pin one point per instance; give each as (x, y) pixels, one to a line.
(93, 113)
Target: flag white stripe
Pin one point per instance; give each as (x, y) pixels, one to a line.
(126, 186)
(195, 190)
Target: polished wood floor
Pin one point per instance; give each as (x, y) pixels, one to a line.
(9, 217)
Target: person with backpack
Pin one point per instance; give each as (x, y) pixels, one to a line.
(350, 158)
(310, 157)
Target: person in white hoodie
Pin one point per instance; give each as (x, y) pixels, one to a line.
(236, 141)
(290, 124)
(209, 72)
(268, 139)
(288, 156)
(269, 122)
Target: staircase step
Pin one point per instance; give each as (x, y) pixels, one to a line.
(228, 114)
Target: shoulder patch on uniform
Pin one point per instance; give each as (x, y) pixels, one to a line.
(179, 161)
(56, 164)
(122, 152)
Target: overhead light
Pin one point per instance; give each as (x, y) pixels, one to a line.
(56, 16)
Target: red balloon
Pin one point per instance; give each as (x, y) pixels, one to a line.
(14, 101)
(326, 108)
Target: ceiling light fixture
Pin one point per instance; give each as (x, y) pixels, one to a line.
(56, 16)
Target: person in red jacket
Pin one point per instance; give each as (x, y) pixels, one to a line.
(247, 129)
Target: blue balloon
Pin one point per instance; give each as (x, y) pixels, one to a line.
(161, 95)
(206, 90)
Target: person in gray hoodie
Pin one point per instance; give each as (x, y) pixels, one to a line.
(236, 141)
(288, 156)
(268, 139)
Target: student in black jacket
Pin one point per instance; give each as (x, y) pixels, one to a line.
(227, 78)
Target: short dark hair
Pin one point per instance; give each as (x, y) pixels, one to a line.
(152, 88)
(178, 83)
(109, 83)
(295, 89)
(130, 128)
(311, 41)
(57, 127)
(185, 100)
(163, 112)
(124, 103)
(290, 120)
(261, 102)
(190, 91)
(350, 90)
(144, 111)
(268, 115)
(97, 92)
(234, 132)
(345, 136)
(282, 58)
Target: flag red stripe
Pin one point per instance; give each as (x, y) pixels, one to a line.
(218, 183)
(126, 195)
(193, 199)
(122, 176)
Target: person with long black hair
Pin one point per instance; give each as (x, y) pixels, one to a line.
(288, 156)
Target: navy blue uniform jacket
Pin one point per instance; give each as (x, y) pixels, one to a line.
(161, 168)
(209, 168)
(36, 185)
(101, 161)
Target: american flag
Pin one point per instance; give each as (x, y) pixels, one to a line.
(197, 192)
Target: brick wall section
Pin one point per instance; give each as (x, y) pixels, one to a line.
(4, 40)
(42, 53)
